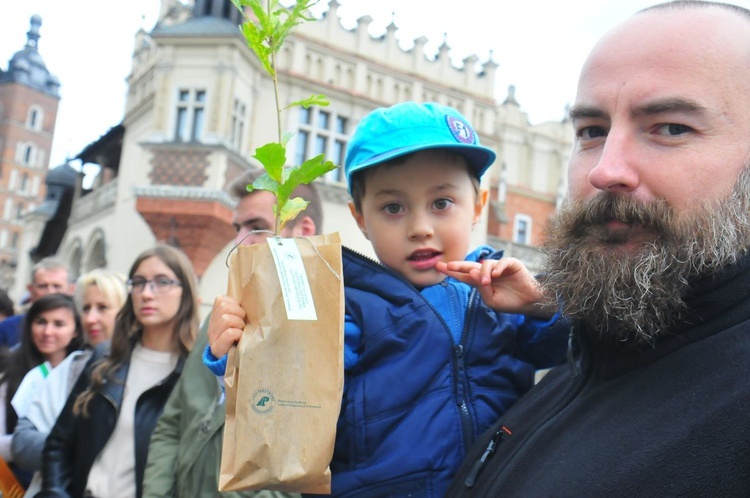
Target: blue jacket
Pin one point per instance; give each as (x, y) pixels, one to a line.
(10, 330)
(417, 397)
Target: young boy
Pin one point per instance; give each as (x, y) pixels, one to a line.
(429, 366)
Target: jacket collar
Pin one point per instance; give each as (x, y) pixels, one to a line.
(715, 302)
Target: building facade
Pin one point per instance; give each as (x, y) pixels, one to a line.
(29, 96)
(199, 104)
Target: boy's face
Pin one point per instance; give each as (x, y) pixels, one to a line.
(420, 212)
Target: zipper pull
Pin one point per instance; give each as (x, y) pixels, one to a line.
(471, 479)
(571, 358)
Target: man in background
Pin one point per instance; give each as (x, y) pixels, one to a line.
(48, 276)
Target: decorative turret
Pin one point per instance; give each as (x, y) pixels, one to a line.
(27, 67)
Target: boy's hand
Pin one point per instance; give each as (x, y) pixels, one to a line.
(505, 284)
(225, 326)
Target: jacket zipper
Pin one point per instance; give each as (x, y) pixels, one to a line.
(489, 450)
(578, 382)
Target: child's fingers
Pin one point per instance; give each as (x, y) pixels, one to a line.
(225, 341)
(463, 271)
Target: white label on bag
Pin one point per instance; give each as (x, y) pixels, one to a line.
(293, 279)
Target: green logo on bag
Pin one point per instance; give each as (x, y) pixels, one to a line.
(263, 401)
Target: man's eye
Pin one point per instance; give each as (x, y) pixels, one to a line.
(673, 129)
(590, 132)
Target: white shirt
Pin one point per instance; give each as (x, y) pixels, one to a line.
(113, 472)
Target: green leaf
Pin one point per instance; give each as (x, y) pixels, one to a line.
(291, 209)
(265, 182)
(273, 157)
(286, 137)
(265, 29)
(319, 100)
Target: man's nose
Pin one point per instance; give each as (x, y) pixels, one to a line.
(616, 169)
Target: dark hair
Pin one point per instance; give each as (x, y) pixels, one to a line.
(359, 178)
(27, 356)
(6, 304)
(238, 189)
(128, 330)
(689, 4)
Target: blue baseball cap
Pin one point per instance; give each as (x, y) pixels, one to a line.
(390, 132)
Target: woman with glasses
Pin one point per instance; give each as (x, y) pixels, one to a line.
(99, 444)
(99, 295)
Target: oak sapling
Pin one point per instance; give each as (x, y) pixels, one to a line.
(265, 31)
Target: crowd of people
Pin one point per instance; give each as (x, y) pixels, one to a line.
(110, 387)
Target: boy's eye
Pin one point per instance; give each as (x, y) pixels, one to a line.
(392, 208)
(442, 204)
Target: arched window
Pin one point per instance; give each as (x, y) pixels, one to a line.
(35, 118)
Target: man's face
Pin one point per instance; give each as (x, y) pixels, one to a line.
(659, 187)
(254, 213)
(661, 116)
(254, 220)
(48, 282)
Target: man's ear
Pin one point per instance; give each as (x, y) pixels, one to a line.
(305, 227)
(359, 218)
(482, 196)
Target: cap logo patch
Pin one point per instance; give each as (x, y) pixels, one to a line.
(460, 130)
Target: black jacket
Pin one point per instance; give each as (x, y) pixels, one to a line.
(666, 420)
(76, 441)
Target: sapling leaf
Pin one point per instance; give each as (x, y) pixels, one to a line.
(286, 137)
(273, 157)
(291, 209)
(266, 31)
(265, 182)
(319, 100)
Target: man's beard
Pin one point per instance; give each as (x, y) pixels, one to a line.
(629, 282)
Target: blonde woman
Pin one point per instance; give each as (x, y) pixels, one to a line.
(99, 444)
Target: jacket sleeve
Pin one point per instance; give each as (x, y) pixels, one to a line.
(543, 343)
(27, 445)
(58, 455)
(160, 477)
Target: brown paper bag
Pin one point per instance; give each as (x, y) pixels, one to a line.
(285, 378)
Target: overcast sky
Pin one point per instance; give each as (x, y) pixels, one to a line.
(538, 44)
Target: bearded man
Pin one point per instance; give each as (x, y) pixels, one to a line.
(649, 260)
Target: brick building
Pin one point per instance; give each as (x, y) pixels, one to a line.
(28, 111)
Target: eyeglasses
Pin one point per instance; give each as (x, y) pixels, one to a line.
(158, 285)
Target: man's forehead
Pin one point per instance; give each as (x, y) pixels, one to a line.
(44, 274)
(256, 205)
(673, 34)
